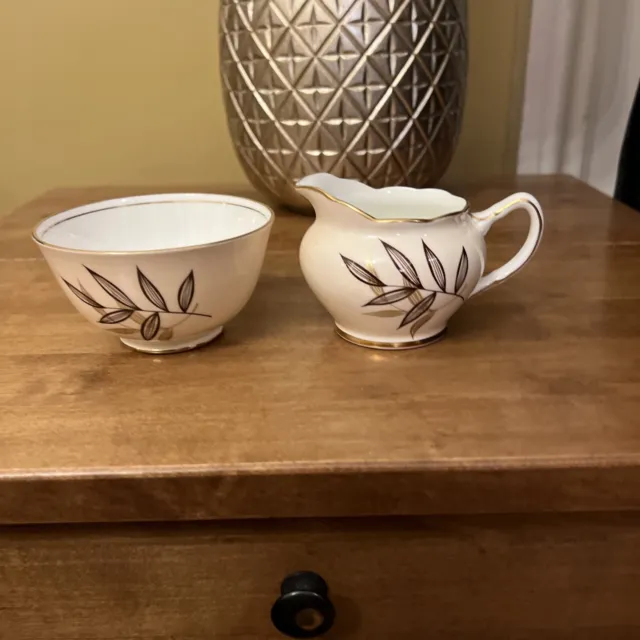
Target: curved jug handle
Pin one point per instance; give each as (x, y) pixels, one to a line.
(484, 221)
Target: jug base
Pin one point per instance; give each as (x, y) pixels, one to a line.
(172, 346)
(389, 346)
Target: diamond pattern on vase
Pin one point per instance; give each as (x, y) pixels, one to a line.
(367, 89)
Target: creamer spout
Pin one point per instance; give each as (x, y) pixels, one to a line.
(327, 194)
(317, 189)
(322, 183)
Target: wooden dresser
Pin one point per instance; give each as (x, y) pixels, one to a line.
(487, 487)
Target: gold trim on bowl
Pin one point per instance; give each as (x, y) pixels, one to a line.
(373, 344)
(383, 220)
(44, 243)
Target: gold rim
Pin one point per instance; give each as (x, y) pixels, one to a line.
(383, 220)
(372, 344)
(248, 202)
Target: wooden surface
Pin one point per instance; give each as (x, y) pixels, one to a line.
(472, 578)
(531, 403)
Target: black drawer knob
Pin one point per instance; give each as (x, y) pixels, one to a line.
(303, 609)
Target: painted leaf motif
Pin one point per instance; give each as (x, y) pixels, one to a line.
(85, 297)
(390, 297)
(386, 313)
(151, 292)
(418, 310)
(463, 269)
(371, 268)
(403, 265)
(435, 266)
(186, 291)
(362, 274)
(150, 326)
(415, 297)
(115, 317)
(420, 322)
(115, 292)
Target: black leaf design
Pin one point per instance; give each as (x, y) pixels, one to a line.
(463, 269)
(85, 297)
(390, 297)
(435, 266)
(403, 265)
(150, 326)
(420, 322)
(362, 274)
(418, 310)
(415, 297)
(186, 291)
(115, 317)
(151, 292)
(386, 313)
(116, 293)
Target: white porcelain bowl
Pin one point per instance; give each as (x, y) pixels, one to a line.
(163, 272)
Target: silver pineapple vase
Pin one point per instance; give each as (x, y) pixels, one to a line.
(365, 89)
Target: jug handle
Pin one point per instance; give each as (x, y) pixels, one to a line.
(484, 221)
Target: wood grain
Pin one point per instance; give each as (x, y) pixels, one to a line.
(502, 578)
(531, 403)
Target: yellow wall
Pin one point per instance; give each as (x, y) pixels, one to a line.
(127, 92)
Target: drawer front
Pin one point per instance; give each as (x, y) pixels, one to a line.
(464, 578)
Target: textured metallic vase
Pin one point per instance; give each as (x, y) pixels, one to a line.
(364, 89)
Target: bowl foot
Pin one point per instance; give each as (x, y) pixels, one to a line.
(172, 346)
(390, 346)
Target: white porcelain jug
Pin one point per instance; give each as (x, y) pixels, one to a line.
(393, 265)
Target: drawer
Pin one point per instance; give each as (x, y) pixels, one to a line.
(438, 578)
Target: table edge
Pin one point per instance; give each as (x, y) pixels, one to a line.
(305, 492)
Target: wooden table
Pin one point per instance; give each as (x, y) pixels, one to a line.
(499, 470)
